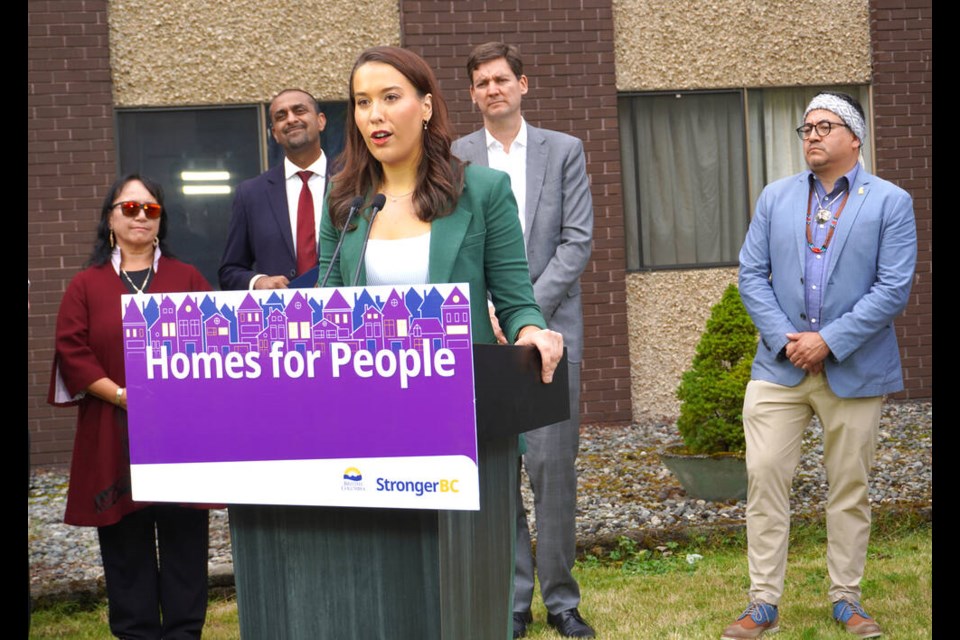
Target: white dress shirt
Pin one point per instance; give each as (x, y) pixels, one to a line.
(513, 162)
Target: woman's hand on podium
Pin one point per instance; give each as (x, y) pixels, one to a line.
(550, 345)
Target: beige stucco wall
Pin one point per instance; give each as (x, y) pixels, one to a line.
(194, 52)
(666, 313)
(691, 44)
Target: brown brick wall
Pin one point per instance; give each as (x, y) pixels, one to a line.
(567, 49)
(902, 42)
(70, 163)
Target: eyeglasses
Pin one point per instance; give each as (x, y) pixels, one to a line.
(131, 209)
(824, 127)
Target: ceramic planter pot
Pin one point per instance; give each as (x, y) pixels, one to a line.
(718, 477)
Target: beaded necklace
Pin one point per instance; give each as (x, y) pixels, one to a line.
(833, 223)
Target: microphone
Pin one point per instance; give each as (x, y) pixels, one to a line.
(378, 201)
(355, 205)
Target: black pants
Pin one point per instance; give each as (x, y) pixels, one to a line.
(155, 565)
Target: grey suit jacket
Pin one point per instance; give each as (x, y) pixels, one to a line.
(558, 227)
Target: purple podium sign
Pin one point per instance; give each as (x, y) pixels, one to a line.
(357, 396)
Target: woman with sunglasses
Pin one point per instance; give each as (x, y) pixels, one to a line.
(154, 555)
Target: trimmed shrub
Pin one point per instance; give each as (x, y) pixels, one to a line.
(712, 390)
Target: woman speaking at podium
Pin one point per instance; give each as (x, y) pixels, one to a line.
(440, 221)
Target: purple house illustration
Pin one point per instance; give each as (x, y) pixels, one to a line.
(249, 321)
(370, 331)
(455, 314)
(216, 329)
(189, 339)
(324, 332)
(337, 311)
(275, 331)
(163, 333)
(299, 324)
(134, 331)
(396, 322)
(426, 330)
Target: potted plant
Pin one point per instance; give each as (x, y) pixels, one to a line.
(710, 464)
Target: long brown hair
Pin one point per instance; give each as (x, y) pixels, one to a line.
(440, 174)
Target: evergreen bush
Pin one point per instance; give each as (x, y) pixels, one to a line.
(711, 391)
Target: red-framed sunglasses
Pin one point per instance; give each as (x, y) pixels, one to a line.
(130, 209)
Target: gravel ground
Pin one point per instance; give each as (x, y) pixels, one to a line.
(623, 490)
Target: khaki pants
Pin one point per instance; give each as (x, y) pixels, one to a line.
(774, 420)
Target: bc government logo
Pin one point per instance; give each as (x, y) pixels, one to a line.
(352, 480)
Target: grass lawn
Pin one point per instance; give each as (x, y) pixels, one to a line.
(631, 593)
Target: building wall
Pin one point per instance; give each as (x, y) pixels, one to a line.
(70, 165)
(740, 43)
(85, 56)
(902, 45)
(243, 51)
(660, 46)
(567, 48)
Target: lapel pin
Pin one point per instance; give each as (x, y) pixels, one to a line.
(860, 191)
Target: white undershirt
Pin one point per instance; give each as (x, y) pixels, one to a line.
(402, 261)
(514, 164)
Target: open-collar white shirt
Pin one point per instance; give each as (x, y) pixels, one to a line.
(513, 164)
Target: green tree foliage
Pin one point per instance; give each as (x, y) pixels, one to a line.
(711, 391)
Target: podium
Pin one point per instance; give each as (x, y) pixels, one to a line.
(317, 573)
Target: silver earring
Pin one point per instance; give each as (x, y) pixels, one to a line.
(425, 123)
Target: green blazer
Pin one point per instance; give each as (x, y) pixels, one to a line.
(480, 243)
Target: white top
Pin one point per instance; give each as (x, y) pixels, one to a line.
(403, 261)
(513, 162)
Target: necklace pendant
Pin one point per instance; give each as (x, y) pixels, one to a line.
(823, 215)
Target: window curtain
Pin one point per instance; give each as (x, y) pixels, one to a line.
(684, 162)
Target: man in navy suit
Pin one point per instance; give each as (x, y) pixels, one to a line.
(826, 266)
(548, 175)
(274, 230)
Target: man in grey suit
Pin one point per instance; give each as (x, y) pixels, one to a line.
(548, 175)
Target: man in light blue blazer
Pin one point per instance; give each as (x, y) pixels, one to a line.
(548, 175)
(825, 269)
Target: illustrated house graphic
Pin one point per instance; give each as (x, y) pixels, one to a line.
(190, 327)
(249, 321)
(216, 328)
(337, 311)
(189, 339)
(396, 323)
(163, 333)
(456, 319)
(370, 331)
(299, 324)
(134, 331)
(426, 330)
(274, 331)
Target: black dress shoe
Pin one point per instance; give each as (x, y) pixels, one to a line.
(570, 625)
(520, 621)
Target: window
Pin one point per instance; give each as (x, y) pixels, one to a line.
(694, 163)
(223, 146)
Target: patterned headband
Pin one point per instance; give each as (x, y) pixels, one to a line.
(847, 112)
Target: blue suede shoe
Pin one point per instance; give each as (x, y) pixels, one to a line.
(758, 618)
(855, 620)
